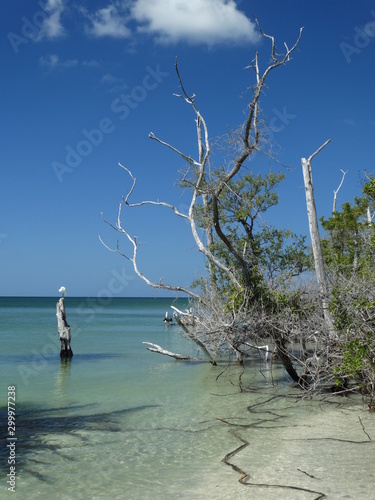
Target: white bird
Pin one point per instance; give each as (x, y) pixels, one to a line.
(62, 290)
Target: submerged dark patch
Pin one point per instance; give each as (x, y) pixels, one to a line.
(35, 424)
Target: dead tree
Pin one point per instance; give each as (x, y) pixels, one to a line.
(206, 189)
(200, 181)
(315, 238)
(62, 327)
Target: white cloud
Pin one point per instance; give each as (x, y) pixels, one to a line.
(109, 78)
(350, 122)
(91, 64)
(194, 21)
(169, 21)
(52, 27)
(113, 83)
(109, 21)
(52, 61)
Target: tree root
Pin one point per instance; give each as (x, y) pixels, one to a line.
(363, 428)
(245, 477)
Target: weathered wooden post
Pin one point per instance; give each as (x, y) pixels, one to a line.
(62, 326)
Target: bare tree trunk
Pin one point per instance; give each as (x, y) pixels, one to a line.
(63, 330)
(315, 238)
(335, 192)
(283, 355)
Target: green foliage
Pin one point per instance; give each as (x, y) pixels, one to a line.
(352, 306)
(358, 362)
(355, 356)
(236, 300)
(350, 241)
(339, 311)
(369, 190)
(271, 256)
(267, 299)
(248, 197)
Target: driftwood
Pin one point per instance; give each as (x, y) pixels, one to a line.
(63, 330)
(183, 319)
(160, 350)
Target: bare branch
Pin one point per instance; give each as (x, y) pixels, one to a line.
(200, 177)
(186, 158)
(190, 217)
(190, 99)
(249, 146)
(319, 150)
(147, 202)
(335, 191)
(159, 285)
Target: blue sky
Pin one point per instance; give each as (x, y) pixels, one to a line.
(67, 69)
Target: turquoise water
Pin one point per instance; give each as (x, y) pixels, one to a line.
(121, 422)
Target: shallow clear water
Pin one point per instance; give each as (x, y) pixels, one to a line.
(121, 422)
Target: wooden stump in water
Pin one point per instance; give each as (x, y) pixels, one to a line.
(63, 330)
